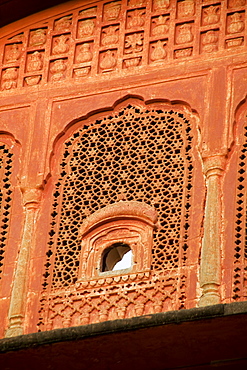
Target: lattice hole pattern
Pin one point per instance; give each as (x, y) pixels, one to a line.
(240, 248)
(5, 198)
(135, 154)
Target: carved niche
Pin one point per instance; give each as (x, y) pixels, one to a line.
(128, 223)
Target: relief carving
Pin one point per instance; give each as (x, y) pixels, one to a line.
(136, 2)
(88, 12)
(158, 53)
(63, 24)
(38, 37)
(9, 78)
(84, 54)
(232, 43)
(236, 24)
(32, 80)
(209, 41)
(211, 15)
(61, 45)
(108, 61)
(135, 18)
(13, 53)
(184, 34)
(81, 72)
(161, 4)
(186, 8)
(132, 62)
(86, 28)
(35, 62)
(112, 11)
(110, 35)
(161, 27)
(57, 69)
(183, 53)
(235, 3)
(134, 43)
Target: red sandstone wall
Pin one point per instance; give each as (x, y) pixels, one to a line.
(195, 61)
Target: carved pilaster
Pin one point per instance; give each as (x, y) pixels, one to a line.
(210, 269)
(31, 201)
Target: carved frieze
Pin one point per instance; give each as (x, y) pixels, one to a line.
(58, 69)
(9, 78)
(128, 34)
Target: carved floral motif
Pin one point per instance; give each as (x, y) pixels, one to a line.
(186, 8)
(183, 53)
(38, 37)
(135, 18)
(89, 12)
(112, 11)
(35, 62)
(211, 14)
(161, 4)
(82, 72)
(236, 24)
(84, 54)
(134, 43)
(13, 53)
(235, 3)
(9, 78)
(63, 24)
(32, 80)
(132, 62)
(108, 61)
(110, 35)
(57, 69)
(184, 34)
(232, 43)
(161, 26)
(158, 53)
(61, 45)
(209, 41)
(86, 28)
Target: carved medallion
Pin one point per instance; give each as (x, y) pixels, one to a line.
(108, 61)
(161, 4)
(112, 11)
(61, 45)
(13, 53)
(236, 24)
(211, 14)
(57, 69)
(161, 26)
(134, 43)
(86, 28)
(110, 35)
(84, 54)
(35, 62)
(63, 24)
(186, 8)
(184, 34)
(38, 37)
(210, 41)
(158, 53)
(135, 18)
(9, 78)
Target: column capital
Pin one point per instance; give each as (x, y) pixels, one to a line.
(31, 196)
(214, 165)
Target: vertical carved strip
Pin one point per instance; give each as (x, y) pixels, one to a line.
(210, 269)
(31, 200)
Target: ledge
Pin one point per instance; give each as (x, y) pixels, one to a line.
(124, 325)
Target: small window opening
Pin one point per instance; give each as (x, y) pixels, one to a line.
(117, 257)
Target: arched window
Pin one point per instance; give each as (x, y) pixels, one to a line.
(114, 254)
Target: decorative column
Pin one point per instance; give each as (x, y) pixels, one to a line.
(210, 268)
(31, 202)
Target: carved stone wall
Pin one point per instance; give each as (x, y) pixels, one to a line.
(120, 36)
(139, 154)
(113, 102)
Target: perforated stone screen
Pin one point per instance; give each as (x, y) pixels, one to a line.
(135, 154)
